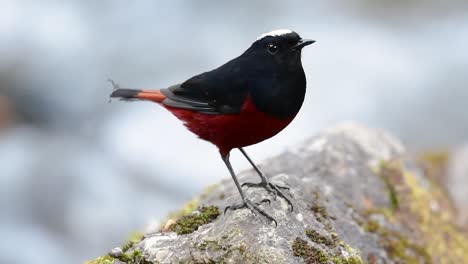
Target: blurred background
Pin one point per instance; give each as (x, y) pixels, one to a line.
(79, 174)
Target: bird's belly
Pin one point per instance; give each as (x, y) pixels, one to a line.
(248, 127)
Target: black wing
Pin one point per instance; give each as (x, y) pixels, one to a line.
(220, 91)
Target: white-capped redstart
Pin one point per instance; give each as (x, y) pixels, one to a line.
(245, 101)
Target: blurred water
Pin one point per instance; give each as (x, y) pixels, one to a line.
(78, 174)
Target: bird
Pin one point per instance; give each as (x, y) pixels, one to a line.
(243, 102)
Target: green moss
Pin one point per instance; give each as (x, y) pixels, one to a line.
(426, 210)
(135, 257)
(132, 240)
(435, 164)
(222, 252)
(102, 260)
(338, 250)
(436, 158)
(321, 213)
(402, 249)
(316, 195)
(389, 174)
(209, 244)
(129, 258)
(190, 223)
(372, 226)
(318, 238)
(436, 227)
(349, 260)
(319, 210)
(308, 253)
(334, 236)
(193, 204)
(352, 255)
(312, 254)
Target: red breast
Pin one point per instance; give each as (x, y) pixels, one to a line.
(229, 131)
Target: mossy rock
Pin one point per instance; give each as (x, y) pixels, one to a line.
(189, 223)
(358, 198)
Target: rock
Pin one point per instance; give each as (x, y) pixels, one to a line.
(358, 198)
(457, 181)
(116, 252)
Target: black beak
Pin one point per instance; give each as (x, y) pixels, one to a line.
(302, 43)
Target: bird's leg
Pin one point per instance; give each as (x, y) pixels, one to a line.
(265, 183)
(246, 202)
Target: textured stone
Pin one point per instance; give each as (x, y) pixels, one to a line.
(457, 181)
(358, 197)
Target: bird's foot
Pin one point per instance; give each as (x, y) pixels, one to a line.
(276, 190)
(253, 207)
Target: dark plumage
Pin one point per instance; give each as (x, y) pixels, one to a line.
(245, 101)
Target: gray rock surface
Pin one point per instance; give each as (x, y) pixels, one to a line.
(357, 198)
(457, 181)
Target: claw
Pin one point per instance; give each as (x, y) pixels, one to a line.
(227, 208)
(271, 188)
(261, 185)
(253, 207)
(283, 187)
(275, 195)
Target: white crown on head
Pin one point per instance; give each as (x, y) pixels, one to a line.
(275, 33)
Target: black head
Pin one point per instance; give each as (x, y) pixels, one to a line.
(279, 48)
(274, 72)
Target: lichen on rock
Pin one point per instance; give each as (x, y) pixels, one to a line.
(102, 260)
(422, 229)
(309, 253)
(189, 223)
(358, 197)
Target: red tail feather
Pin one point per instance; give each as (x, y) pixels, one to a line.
(131, 94)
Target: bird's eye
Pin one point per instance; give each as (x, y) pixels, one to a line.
(273, 48)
